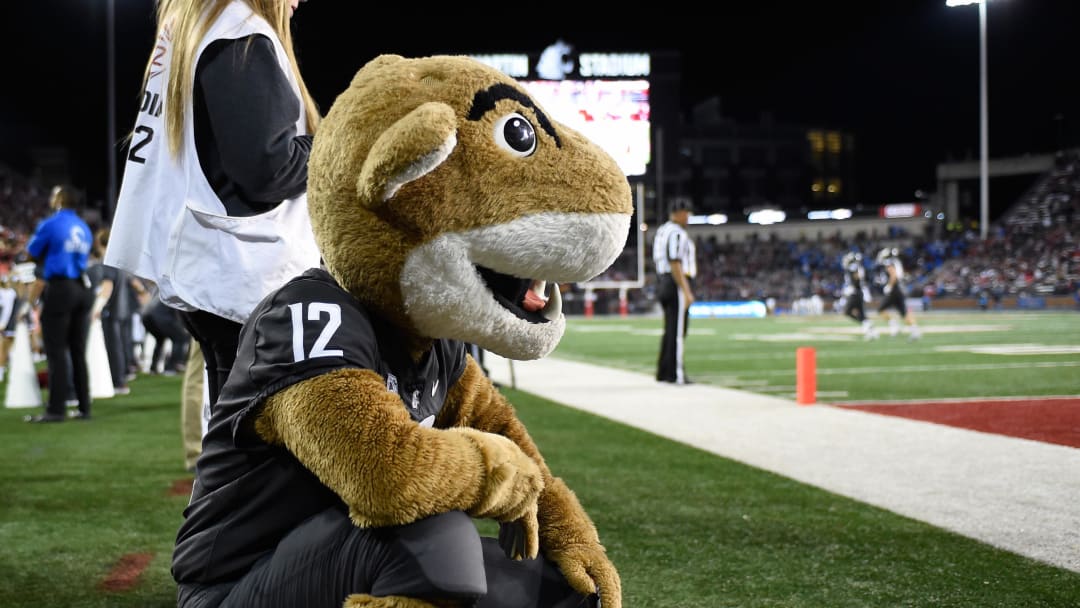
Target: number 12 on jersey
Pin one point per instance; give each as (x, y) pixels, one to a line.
(315, 313)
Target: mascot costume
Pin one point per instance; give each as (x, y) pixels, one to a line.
(355, 441)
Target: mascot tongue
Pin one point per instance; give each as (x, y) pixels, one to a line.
(532, 302)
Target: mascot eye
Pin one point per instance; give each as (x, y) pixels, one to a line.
(515, 135)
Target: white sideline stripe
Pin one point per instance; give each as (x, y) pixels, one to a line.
(1015, 494)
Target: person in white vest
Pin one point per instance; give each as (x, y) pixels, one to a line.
(212, 207)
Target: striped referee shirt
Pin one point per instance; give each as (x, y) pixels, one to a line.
(672, 242)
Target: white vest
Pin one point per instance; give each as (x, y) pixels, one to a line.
(172, 229)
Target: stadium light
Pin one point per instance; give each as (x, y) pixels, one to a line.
(984, 130)
(765, 217)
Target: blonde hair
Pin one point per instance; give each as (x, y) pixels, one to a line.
(101, 241)
(185, 22)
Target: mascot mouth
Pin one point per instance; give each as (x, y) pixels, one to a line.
(531, 300)
(480, 285)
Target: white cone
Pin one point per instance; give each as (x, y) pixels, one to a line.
(23, 389)
(97, 361)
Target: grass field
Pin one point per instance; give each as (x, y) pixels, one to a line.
(687, 529)
(959, 354)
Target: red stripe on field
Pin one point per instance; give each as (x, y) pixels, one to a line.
(126, 572)
(1054, 420)
(181, 487)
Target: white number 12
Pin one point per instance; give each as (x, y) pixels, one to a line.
(315, 310)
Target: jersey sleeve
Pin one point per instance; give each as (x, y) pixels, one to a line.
(36, 246)
(305, 329)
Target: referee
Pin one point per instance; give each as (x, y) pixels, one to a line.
(61, 245)
(676, 266)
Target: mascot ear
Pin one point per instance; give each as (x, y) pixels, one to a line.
(411, 148)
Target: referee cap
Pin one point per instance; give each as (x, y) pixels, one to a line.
(681, 204)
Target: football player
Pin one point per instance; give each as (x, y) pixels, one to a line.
(893, 295)
(857, 293)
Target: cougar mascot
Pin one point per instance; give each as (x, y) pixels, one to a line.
(356, 442)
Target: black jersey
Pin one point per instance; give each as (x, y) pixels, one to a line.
(249, 494)
(854, 277)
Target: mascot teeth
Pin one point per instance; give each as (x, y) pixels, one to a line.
(553, 308)
(535, 298)
(540, 289)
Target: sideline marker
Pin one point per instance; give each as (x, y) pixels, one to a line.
(23, 389)
(805, 375)
(97, 363)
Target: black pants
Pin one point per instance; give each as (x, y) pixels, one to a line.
(854, 307)
(894, 299)
(65, 327)
(127, 344)
(669, 366)
(167, 325)
(218, 339)
(327, 558)
(114, 347)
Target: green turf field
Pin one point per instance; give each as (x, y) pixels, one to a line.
(959, 354)
(686, 529)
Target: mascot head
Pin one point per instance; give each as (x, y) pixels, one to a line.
(450, 203)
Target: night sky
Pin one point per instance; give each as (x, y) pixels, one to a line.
(903, 76)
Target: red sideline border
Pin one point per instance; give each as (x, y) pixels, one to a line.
(1048, 419)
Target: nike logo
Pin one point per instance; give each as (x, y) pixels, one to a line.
(434, 387)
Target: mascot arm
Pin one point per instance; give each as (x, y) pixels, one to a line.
(567, 535)
(357, 438)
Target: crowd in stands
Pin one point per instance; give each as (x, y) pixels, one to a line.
(23, 203)
(1033, 249)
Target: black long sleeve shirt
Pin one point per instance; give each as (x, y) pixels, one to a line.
(245, 126)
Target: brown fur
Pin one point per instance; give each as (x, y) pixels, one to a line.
(476, 186)
(344, 425)
(391, 601)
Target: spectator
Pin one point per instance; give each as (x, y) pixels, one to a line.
(193, 406)
(9, 304)
(112, 305)
(170, 337)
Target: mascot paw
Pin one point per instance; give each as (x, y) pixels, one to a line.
(512, 481)
(588, 570)
(520, 539)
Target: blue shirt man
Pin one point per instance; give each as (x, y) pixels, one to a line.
(62, 243)
(61, 247)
